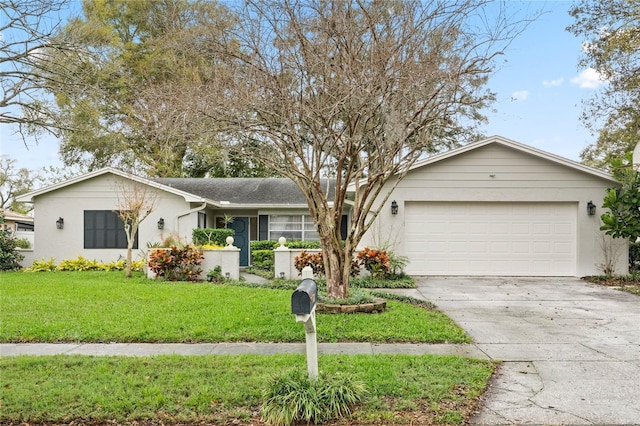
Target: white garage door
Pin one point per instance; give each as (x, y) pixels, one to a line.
(510, 239)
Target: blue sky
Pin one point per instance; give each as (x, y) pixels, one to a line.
(539, 90)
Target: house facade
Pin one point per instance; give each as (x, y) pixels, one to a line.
(495, 207)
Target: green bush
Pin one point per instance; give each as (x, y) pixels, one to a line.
(263, 259)
(9, 257)
(294, 397)
(177, 263)
(22, 243)
(292, 244)
(211, 236)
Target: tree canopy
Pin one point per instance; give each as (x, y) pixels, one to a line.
(611, 30)
(358, 90)
(27, 29)
(622, 220)
(144, 73)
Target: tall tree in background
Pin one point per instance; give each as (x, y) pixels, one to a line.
(15, 182)
(359, 90)
(611, 30)
(27, 43)
(145, 71)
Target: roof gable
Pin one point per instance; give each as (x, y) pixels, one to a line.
(498, 140)
(30, 196)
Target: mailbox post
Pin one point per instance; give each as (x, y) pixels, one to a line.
(303, 305)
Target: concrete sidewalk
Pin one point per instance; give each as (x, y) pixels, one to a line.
(150, 349)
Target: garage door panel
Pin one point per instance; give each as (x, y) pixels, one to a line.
(491, 238)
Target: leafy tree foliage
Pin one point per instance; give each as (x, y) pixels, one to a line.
(623, 218)
(26, 46)
(14, 182)
(612, 47)
(359, 90)
(145, 73)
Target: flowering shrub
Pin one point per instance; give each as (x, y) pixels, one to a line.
(309, 259)
(375, 261)
(177, 263)
(315, 261)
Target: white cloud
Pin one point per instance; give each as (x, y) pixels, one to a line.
(588, 79)
(552, 83)
(520, 95)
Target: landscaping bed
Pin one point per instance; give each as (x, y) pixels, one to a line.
(628, 283)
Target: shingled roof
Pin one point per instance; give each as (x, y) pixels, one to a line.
(245, 191)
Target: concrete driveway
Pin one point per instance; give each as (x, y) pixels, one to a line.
(571, 349)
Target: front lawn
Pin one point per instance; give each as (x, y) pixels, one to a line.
(424, 390)
(106, 307)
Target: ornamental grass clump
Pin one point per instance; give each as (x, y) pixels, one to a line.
(294, 397)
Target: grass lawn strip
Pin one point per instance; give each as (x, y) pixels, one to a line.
(106, 307)
(178, 389)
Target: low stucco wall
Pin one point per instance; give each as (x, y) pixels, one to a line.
(228, 259)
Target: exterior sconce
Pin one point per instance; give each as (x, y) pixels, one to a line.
(161, 223)
(60, 223)
(227, 275)
(394, 207)
(282, 275)
(591, 208)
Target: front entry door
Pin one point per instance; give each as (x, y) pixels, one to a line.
(241, 238)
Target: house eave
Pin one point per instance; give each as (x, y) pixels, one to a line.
(188, 197)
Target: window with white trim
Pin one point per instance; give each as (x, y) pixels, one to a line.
(292, 227)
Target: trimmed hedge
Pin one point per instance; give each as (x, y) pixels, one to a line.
(211, 236)
(263, 259)
(292, 244)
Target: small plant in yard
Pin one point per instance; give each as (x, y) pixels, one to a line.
(177, 263)
(314, 260)
(294, 397)
(215, 275)
(375, 261)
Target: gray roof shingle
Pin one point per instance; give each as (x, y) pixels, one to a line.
(252, 191)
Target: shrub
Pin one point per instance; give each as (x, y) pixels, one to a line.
(79, 264)
(309, 259)
(42, 265)
(22, 243)
(263, 259)
(215, 275)
(177, 263)
(375, 261)
(292, 244)
(211, 236)
(9, 257)
(294, 397)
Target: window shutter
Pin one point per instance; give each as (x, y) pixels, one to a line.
(263, 227)
(343, 226)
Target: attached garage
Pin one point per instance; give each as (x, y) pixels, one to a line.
(457, 238)
(498, 207)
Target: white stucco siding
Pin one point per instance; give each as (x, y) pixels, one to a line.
(98, 193)
(504, 176)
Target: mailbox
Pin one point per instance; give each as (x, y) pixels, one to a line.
(304, 297)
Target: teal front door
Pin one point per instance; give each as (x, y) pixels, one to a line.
(241, 238)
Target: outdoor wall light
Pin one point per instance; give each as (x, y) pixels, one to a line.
(60, 223)
(161, 223)
(227, 275)
(282, 275)
(591, 208)
(394, 207)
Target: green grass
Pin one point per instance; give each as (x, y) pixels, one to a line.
(171, 389)
(105, 307)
